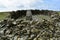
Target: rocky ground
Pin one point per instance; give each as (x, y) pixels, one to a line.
(22, 29)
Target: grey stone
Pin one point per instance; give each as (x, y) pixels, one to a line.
(28, 15)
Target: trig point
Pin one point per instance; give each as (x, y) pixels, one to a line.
(28, 15)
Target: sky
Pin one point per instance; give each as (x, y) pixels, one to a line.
(9, 5)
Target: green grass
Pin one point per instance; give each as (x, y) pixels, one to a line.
(3, 15)
(41, 17)
(59, 13)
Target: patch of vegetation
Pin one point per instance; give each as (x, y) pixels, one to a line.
(3, 15)
(59, 12)
(41, 17)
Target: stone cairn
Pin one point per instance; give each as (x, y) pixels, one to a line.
(19, 29)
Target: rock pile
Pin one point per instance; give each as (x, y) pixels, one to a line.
(19, 29)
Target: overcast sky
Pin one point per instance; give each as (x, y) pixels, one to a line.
(8, 5)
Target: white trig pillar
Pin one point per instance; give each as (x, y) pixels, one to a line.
(28, 15)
